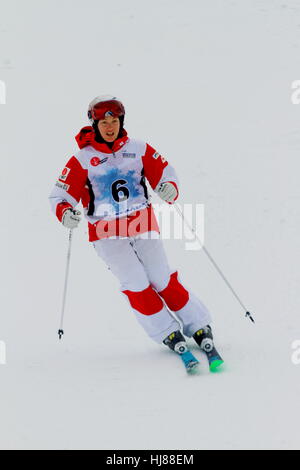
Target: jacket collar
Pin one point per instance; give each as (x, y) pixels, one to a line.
(87, 137)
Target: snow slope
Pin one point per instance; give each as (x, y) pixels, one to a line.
(209, 85)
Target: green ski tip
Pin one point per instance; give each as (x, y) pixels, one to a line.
(215, 365)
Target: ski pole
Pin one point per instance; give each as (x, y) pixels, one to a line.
(61, 331)
(248, 314)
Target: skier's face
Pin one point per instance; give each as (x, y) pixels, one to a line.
(109, 128)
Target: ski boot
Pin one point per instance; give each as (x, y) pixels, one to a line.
(177, 343)
(204, 338)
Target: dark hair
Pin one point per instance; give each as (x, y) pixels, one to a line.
(99, 137)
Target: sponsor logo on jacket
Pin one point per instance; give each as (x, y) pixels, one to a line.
(95, 161)
(129, 155)
(64, 174)
(61, 185)
(157, 155)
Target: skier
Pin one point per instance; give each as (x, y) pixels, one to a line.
(108, 175)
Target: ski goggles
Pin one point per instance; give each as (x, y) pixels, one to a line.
(106, 108)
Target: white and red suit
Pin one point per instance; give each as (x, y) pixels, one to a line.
(111, 185)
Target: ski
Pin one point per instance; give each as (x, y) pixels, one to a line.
(214, 359)
(204, 339)
(190, 362)
(176, 342)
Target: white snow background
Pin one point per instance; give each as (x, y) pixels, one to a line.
(208, 83)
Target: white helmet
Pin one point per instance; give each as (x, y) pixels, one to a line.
(103, 106)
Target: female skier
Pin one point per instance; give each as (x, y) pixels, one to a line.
(108, 175)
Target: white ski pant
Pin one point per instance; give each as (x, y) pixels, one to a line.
(152, 287)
